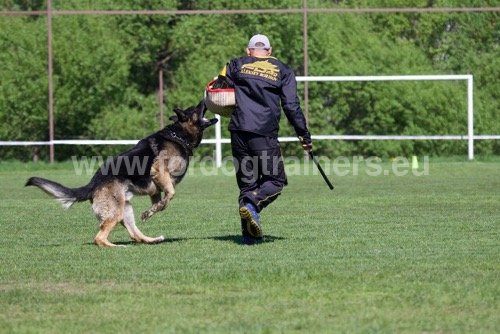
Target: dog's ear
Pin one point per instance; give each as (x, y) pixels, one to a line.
(173, 118)
(208, 122)
(202, 108)
(181, 116)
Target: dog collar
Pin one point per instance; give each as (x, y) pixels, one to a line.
(173, 136)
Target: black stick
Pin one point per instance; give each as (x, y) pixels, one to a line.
(313, 157)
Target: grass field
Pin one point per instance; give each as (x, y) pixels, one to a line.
(380, 253)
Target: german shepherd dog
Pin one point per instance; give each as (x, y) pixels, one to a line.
(161, 160)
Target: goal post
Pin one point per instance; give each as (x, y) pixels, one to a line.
(470, 111)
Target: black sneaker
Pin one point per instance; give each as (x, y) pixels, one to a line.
(247, 238)
(249, 214)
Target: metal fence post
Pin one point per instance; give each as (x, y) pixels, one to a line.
(470, 116)
(50, 81)
(218, 142)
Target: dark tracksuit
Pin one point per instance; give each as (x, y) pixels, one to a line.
(263, 85)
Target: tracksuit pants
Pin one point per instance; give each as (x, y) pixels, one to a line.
(260, 172)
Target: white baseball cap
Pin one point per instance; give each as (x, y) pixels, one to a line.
(259, 42)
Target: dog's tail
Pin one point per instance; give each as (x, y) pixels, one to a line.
(64, 195)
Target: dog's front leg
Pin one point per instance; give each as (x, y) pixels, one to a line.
(155, 198)
(155, 207)
(160, 205)
(162, 178)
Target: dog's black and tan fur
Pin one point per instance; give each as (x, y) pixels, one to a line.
(162, 158)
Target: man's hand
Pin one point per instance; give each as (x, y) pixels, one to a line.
(221, 82)
(306, 143)
(307, 147)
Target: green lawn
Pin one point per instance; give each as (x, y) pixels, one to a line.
(380, 253)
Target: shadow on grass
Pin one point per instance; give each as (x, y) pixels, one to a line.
(236, 238)
(166, 240)
(131, 242)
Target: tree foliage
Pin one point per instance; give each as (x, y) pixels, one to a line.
(106, 71)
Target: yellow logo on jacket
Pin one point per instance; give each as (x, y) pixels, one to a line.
(261, 68)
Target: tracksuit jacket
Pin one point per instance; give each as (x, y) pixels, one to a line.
(262, 85)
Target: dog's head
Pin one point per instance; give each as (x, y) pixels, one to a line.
(192, 120)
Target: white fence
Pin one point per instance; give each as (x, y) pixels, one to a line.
(218, 140)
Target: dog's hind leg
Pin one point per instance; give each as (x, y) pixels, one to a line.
(133, 230)
(108, 204)
(101, 239)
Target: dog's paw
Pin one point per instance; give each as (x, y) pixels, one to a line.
(158, 240)
(146, 215)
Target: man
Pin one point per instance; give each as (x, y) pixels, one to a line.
(263, 85)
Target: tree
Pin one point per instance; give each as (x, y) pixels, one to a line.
(23, 84)
(106, 80)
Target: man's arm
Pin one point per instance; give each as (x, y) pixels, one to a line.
(223, 81)
(293, 112)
